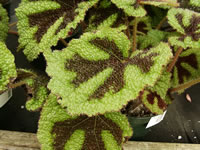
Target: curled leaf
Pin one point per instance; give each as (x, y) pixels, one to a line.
(7, 67)
(3, 23)
(97, 74)
(43, 22)
(58, 130)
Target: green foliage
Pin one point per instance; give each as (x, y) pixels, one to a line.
(156, 98)
(38, 34)
(97, 73)
(187, 23)
(3, 23)
(58, 130)
(187, 67)
(195, 3)
(7, 67)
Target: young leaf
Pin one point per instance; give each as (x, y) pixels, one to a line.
(97, 73)
(43, 22)
(7, 67)
(156, 98)
(3, 23)
(35, 86)
(134, 7)
(58, 130)
(187, 23)
(187, 67)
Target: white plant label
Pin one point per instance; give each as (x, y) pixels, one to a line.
(4, 98)
(155, 120)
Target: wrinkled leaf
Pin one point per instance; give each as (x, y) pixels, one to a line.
(195, 3)
(59, 131)
(43, 22)
(97, 73)
(7, 67)
(3, 23)
(187, 23)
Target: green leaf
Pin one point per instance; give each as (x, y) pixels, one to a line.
(97, 73)
(58, 130)
(195, 3)
(156, 98)
(187, 23)
(3, 23)
(35, 86)
(41, 23)
(7, 67)
(187, 67)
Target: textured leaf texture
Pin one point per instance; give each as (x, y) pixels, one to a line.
(156, 98)
(187, 23)
(187, 67)
(59, 131)
(97, 74)
(7, 67)
(105, 15)
(134, 7)
(195, 3)
(3, 23)
(43, 22)
(35, 86)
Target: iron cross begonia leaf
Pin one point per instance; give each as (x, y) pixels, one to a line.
(35, 86)
(187, 67)
(41, 23)
(134, 7)
(156, 98)
(59, 131)
(105, 15)
(3, 23)
(187, 23)
(97, 74)
(7, 67)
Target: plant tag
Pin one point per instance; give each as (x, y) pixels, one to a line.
(4, 98)
(155, 120)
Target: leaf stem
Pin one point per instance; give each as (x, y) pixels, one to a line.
(161, 23)
(185, 86)
(15, 85)
(13, 32)
(12, 24)
(64, 42)
(135, 34)
(177, 54)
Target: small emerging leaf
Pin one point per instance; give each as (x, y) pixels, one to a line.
(3, 23)
(59, 131)
(7, 67)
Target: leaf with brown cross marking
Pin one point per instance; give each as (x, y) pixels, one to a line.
(3, 23)
(187, 67)
(105, 14)
(41, 23)
(7, 67)
(157, 98)
(35, 87)
(98, 74)
(187, 23)
(59, 131)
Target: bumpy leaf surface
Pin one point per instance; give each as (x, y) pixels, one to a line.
(187, 67)
(187, 23)
(3, 23)
(35, 86)
(97, 73)
(134, 7)
(156, 98)
(43, 22)
(195, 3)
(59, 131)
(7, 67)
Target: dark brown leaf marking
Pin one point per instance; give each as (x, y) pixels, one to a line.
(151, 99)
(86, 69)
(182, 72)
(191, 29)
(92, 127)
(47, 18)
